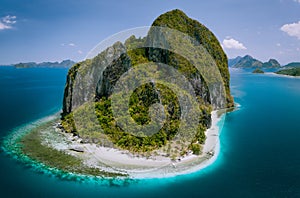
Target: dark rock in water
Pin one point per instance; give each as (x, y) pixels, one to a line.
(77, 149)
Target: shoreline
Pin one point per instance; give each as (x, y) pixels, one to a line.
(281, 75)
(117, 161)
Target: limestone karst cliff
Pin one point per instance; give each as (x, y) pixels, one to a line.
(175, 40)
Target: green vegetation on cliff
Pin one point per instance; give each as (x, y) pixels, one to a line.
(121, 60)
(178, 20)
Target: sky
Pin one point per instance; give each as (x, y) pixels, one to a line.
(55, 30)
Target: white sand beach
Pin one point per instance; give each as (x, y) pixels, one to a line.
(121, 161)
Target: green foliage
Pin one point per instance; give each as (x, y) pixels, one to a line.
(68, 123)
(148, 94)
(135, 50)
(73, 71)
(140, 101)
(290, 72)
(176, 19)
(196, 148)
(139, 109)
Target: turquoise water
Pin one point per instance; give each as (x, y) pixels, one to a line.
(259, 142)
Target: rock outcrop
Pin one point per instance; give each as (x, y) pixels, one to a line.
(85, 81)
(176, 76)
(91, 75)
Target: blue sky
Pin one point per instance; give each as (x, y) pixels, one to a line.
(32, 30)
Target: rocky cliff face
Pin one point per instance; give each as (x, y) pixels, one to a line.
(176, 75)
(91, 74)
(179, 21)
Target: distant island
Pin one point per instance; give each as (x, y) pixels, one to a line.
(250, 62)
(95, 144)
(292, 65)
(290, 72)
(258, 71)
(62, 64)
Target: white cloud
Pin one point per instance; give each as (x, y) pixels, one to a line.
(9, 19)
(69, 44)
(292, 29)
(7, 22)
(278, 44)
(297, 1)
(231, 43)
(3, 26)
(79, 52)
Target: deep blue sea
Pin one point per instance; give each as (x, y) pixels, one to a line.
(260, 152)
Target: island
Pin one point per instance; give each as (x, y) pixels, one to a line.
(165, 130)
(290, 72)
(250, 62)
(292, 65)
(62, 64)
(258, 71)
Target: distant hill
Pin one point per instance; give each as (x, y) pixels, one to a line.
(232, 62)
(250, 62)
(272, 63)
(290, 72)
(63, 64)
(292, 65)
